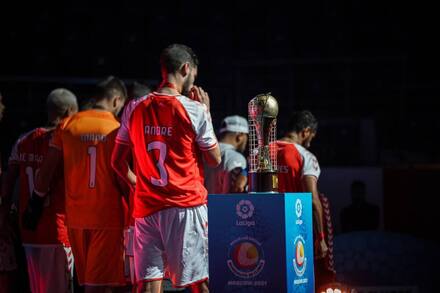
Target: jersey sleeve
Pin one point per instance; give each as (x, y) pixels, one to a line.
(57, 139)
(201, 122)
(123, 136)
(311, 165)
(206, 138)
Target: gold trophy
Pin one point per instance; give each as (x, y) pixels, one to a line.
(262, 171)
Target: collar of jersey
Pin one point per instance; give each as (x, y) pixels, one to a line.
(169, 95)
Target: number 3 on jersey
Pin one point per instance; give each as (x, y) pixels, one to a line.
(160, 164)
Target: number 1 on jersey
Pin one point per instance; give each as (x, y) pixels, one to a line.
(160, 164)
(92, 166)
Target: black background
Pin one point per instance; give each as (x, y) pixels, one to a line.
(368, 70)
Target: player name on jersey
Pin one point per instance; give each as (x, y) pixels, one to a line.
(87, 137)
(29, 157)
(158, 130)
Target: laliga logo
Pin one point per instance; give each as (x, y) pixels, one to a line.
(245, 209)
(298, 211)
(300, 260)
(298, 208)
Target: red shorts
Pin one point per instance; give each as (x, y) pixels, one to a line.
(99, 256)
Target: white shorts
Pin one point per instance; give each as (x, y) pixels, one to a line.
(48, 268)
(175, 241)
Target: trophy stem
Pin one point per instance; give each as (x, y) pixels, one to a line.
(263, 182)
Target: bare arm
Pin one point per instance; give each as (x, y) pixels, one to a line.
(311, 185)
(44, 177)
(120, 158)
(238, 181)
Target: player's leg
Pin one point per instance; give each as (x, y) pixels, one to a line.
(150, 287)
(201, 287)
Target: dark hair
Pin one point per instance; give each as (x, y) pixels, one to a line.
(139, 90)
(173, 56)
(110, 87)
(301, 120)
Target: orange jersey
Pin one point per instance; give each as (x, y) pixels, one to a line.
(93, 200)
(28, 153)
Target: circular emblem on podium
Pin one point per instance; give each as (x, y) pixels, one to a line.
(246, 257)
(300, 260)
(298, 208)
(245, 209)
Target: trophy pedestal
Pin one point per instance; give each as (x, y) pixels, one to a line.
(261, 243)
(263, 182)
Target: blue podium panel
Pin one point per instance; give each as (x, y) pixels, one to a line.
(299, 242)
(260, 243)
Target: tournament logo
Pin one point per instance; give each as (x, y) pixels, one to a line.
(245, 209)
(300, 260)
(246, 257)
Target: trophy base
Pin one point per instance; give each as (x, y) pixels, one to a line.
(263, 182)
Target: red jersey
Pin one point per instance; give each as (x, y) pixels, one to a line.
(167, 134)
(124, 138)
(294, 162)
(28, 153)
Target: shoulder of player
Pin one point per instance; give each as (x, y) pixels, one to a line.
(192, 110)
(233, 157)
(63, 123)
(231, 152)
(187, 102)
(31, 134)
(104, 116)
(286, 145)
(305, 153)
(131, 105)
